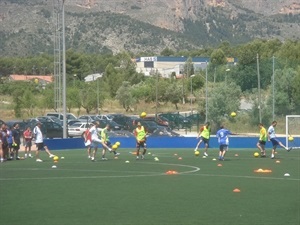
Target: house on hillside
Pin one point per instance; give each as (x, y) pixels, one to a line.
(40, 79)
(93, 77)
(167, 66)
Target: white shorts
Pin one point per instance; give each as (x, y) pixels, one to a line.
(96, 142)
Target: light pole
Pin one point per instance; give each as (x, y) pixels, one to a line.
(273, 90)
(258, 87)
(206, 95)
(74, 77)
(191, 97)
(227, 70)
(156, 95)
(98, 96)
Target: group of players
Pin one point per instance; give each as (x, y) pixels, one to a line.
(10, 142)
(93, 136)
(223, 139)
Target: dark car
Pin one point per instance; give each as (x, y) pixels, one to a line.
(179, 120)
(112, 124)
(120, 119)
(22, 125)
(50, 129)
(160, 120)
(195, 119)
(150, 126)
(1, 122)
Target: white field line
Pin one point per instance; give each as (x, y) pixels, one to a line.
(143, 174)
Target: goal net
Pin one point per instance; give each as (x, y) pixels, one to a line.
(292, 123)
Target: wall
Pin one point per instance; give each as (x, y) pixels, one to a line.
(158, 142)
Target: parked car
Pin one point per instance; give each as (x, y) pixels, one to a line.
(113, 125)
(60, 116)
(160, 120)
(105, 117)
(195, 118)
(88, 118)
(150, 126)
(22, 125)
(77, 129)
(49, 119)
(179, 120)
(49, 129)
(121, 119)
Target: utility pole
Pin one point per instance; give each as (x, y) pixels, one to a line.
(258, 87)
(273, 89)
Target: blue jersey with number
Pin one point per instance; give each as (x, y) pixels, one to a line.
(222, 136)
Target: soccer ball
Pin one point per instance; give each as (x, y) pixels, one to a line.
(55, 158)
(291, 138)
(197, 153)
(118, 144)
(114, 147)
(233, 114)
(143, 114)
(256, 154)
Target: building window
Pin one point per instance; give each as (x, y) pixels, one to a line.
(148, 64)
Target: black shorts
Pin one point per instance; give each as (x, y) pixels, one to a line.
(261, 142)
(40, 146)
(223, 148)
(205, 140)
(141, 144)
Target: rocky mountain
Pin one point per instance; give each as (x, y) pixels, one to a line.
(27, 27)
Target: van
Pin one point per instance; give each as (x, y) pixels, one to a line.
(60, 116)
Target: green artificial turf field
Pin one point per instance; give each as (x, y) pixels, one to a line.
(81, 192)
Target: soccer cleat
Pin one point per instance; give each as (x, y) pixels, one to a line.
(25, 156)
(30, 156)
(289, 149)
(117, 154)
(104, 159)
(272, 156)
(109, 149)
(205, 154)
(51, 156)
(196, 149)
(39, 160)
(137, 158)
(18, 158)
(92, 159)
(143, 157)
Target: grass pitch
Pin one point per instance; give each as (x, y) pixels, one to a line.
(81, 192)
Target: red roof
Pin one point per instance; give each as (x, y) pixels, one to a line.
(47, 78)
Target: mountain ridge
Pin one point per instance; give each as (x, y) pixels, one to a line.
(100, 26)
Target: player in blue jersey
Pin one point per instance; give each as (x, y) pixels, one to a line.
(272, 137)
(223, 140)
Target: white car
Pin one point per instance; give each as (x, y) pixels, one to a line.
(104, 117)
(77, 129)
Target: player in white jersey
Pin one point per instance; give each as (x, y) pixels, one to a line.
(272, 137)
(94, 130)
(39, 141)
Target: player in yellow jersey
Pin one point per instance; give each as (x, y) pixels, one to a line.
(140, 135)
(204, 135)
(263, 137)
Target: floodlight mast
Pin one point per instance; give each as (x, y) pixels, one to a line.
(60, 61)
(64, 72)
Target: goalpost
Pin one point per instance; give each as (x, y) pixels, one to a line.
(292, 131)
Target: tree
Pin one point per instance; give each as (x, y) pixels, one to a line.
(284, 84)
(124, 96)
(173, 94)
(296, 91)
(223, 99)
